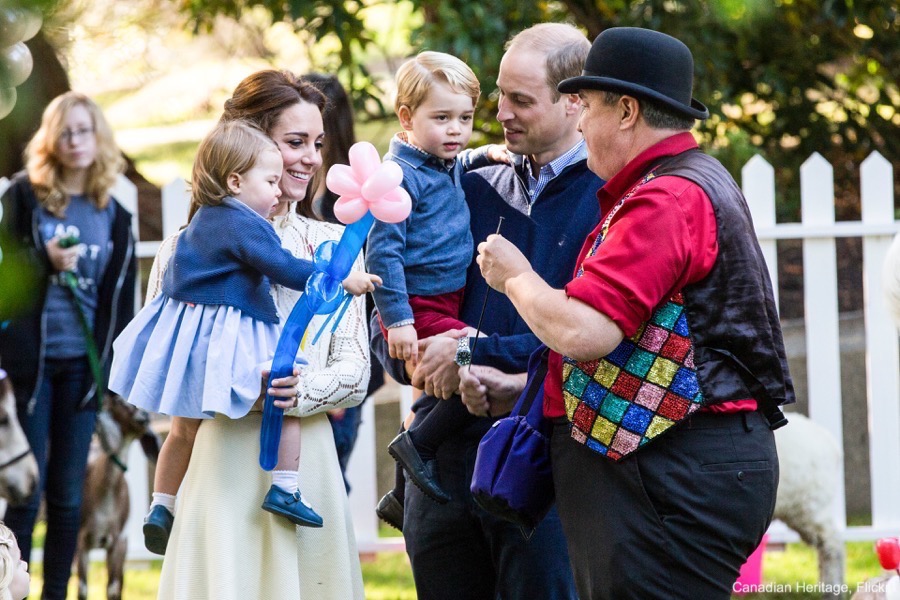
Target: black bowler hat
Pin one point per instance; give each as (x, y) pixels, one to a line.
(642, 63)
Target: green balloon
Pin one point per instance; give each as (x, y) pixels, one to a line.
(7, 100)
(33, 22)
(15, 64)
(12, 25)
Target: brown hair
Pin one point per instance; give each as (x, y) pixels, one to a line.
(262, 97)
(416, 76)
(231, 147)
(42, 163)
(339, 136)
(564, 47)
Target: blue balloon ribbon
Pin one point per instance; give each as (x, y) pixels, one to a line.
(323, 295)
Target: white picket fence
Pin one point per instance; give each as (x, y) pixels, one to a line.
(818, 230)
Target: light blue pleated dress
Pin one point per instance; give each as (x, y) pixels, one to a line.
(186, 360)
(183, 358)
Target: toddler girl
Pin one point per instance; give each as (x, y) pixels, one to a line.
(196, 350)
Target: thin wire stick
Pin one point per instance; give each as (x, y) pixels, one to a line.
(484, 305)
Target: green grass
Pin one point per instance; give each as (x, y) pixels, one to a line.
(796, 569)
(387, 576)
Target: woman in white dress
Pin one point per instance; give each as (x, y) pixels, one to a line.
(223, 546)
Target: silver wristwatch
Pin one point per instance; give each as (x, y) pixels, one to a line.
(463, 354)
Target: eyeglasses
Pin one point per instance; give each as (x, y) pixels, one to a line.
(70, 135)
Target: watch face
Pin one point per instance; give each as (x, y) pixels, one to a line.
(463, 354)
(463, 358)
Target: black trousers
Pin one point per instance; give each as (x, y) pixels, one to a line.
(677, 519)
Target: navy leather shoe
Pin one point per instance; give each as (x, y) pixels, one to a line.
(390, 510)
(420, 472)
(157, 527)
(291, 506)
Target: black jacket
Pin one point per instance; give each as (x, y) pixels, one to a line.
(21, 343)
(738, 346)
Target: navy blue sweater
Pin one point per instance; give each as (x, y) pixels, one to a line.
(225, 256)
(550, 235)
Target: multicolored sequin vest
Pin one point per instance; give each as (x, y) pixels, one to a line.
(638, 391)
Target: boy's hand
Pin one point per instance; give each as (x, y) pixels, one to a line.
(359, 283)
(497, 153)
(403, 343)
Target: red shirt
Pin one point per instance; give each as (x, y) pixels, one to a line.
(661, 239)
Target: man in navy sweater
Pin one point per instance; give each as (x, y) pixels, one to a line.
(547, 198)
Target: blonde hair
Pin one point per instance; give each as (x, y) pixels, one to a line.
(43, 166)
(891, 280)
(231, 147)
(8, 566)
(416, 77)
(564, 47)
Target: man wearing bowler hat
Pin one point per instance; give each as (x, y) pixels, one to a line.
(667, 365)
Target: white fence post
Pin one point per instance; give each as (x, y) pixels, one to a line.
(361, 473)
(4, 183)
(882, 377)
(126, 193)
(175, 205)
(823, 355)
(758, 183)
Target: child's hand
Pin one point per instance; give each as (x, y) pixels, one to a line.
(497, 153)
(359, 283)
(403, 343)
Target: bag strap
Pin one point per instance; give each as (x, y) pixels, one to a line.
(92, 353)
(534, 385)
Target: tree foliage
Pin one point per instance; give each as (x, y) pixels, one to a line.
(784, 77)
(787, 77)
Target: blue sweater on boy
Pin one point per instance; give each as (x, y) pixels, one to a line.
(429, 252)
(226, 255)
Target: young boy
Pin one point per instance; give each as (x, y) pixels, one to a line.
(423, 260)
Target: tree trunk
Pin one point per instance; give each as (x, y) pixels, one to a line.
(47, 81)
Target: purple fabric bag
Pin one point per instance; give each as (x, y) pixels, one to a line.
(513, 478)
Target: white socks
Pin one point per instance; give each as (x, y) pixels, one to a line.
(166, 500)
(286, 480)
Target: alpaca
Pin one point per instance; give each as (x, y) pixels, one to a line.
(106, 501)
(18, 467)
(891, 280)
(808, 489)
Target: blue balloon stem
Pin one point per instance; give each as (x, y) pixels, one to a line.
(309, 303)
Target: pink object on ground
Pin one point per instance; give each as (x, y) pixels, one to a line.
(751, 572)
